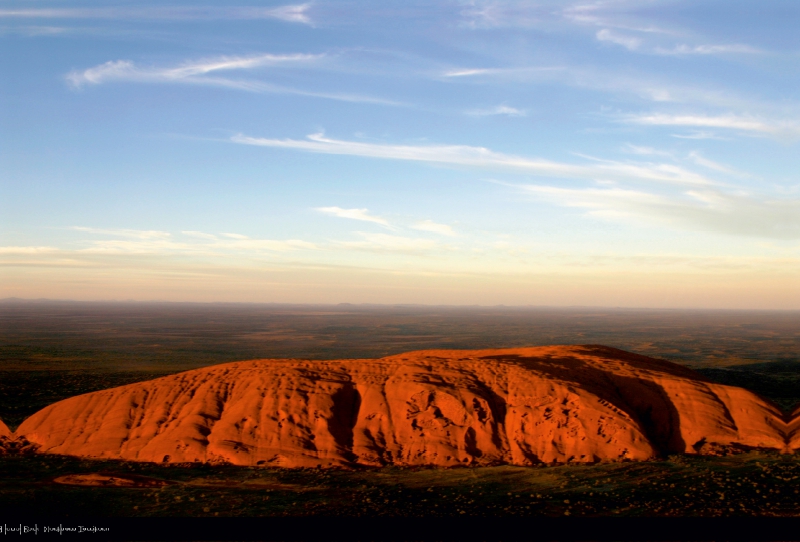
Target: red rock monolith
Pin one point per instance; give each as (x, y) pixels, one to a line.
(436, 407)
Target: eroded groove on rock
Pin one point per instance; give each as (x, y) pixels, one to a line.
(793, 430)
(437, 407)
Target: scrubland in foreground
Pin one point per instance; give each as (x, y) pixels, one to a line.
(752, 484)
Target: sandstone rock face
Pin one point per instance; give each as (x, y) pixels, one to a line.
(437, 407)
(793, 430)
(4, 430)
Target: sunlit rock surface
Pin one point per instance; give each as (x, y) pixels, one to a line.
(436, 407)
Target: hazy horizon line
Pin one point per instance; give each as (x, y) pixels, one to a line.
(9, 300)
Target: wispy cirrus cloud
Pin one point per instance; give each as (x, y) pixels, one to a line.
(638, 44)
(732, 48)
(35, 30)
(198, 244)
(125, 70)
(629, 42)
(693, 156)
(382, 242)
(625, 23)
(701, 160)
(203, 72)
(292, 13)
(645, 151)
(554, 15)
(24, 250)
(249, 246)
(590, 78)
(628, 23)
(130, 241)
(648, 86)
(354, 214)
(732, 213)
(135, 234)
(619, 14)
(481, 157)
(493, 14)
(667, 193)
(365, 216)
(466, 72)
(513, 72)
(789, 128)
(199, 234)
(297, 13)
(497, 110)
(434, 227)
(634, 43)
(699, 135)
(273, 245)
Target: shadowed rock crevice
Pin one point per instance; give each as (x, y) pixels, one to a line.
(346, 404)
(440, 407)
(10, 444)
(793, 429)
(659, 419)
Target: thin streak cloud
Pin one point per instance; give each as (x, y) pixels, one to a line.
(467, 72)
(382, 242)
(463, 155)
(700, 160)
(157, 242)
(136, 234)
(125, 70)
(730, 122)
(652, 87)
(628, 42)
(199, 235)
(708, 49)
(12, 250)
(197, 73)
(291, 13)
(353, 214)
(497, 110)
(433, 227)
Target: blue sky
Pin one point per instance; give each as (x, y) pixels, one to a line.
(610, 153)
